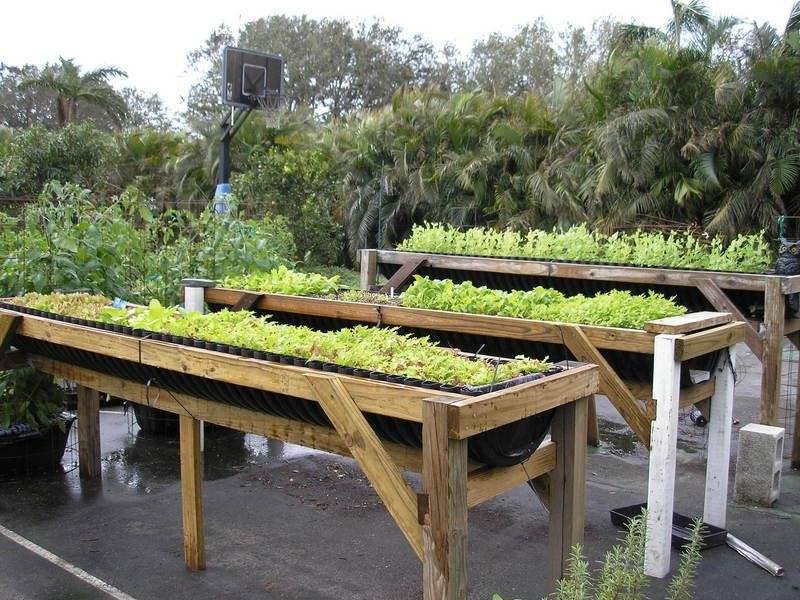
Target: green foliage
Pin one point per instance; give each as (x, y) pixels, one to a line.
(78, 153)
(28, 396)
(745, 254)
(616, 308)
(298, 185)
(284, 281)
(67, 241)
(370, 348)
(622, 574)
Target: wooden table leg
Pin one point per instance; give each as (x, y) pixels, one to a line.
(663, 448)
(567, 484)
(774, 314)
(444, 533)
(719, 441)
(192, 494)
(593, 427)
(369, 268)
(89, 464)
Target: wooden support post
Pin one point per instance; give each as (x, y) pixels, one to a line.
(719, 441)
(592, 425)
(663, 448)
(194, 549)
(369, 268)
(444, 533)
(89, 465)
(774, 309)
(567, 484)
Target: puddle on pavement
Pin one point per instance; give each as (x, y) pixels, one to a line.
(618, 439)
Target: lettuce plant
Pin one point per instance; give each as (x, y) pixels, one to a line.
(371, 348)
(616, 308)
(284, 281)
(745, 253)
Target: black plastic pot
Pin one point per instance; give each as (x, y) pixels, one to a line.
(36, 451)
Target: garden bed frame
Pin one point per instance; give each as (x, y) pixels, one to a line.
(764, 338)
(434, 521)
(699, 334)
(671, 341)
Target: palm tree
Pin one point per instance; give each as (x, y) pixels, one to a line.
(71, 87)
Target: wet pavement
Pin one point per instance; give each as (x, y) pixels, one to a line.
(286, 522)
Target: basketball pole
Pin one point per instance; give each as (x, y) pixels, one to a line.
(229, 126)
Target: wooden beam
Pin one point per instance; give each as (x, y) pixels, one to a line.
(771, 358)
(369, 268)
(246, 301)
(89, 459)
(543, 268)
(722, 302)
(613, 338)
(384, 475)
(444, 480)
(708, 341)
(688, 323)
(401, 276)
(610, 383)
(279, 428)
(9, 323)
(489, 482)
(473, 415)
(790, 284)
(663, 450)
(567, 484)
(718, 450)
(194, 550)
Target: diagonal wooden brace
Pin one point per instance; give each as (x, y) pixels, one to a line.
(402, 275)
(8, 327)
(610, 383)
(384, 475)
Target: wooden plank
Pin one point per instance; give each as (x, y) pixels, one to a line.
(194, 551)
(384, 475)
(279, 428)
(9, 323)
(611, 385)
(790, 284)
(688, 323)
(646, 275)
(89, 463)
(369, 268)
(379, 397)
(722, 302)
(444, 480)
(705, 342)
(719, 442)
(615, 338)
(567, 484)
(771, 358)
(470, 416)
(693, 394)
(663, 451)
(246, 301)
(488, 482)
(401, 276)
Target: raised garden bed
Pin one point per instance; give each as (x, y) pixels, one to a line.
(243, 393)
(627, 353)
(758, 300)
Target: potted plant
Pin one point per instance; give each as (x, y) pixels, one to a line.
(33, 428)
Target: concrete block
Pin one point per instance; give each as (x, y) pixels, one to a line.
(758, 464)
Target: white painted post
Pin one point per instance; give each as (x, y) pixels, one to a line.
(719, 441)
(663, 446)
(194, 300)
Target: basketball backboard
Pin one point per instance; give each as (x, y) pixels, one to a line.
(251, 79)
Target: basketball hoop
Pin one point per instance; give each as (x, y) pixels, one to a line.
(251, 80)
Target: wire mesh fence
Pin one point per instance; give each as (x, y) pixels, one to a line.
(790, 388)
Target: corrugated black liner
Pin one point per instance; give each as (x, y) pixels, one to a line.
(751, 303)
(505, 446)
(631, 366)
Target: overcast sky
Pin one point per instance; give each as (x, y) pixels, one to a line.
(150, 40)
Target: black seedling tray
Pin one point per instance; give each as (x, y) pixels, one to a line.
(711, 535)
